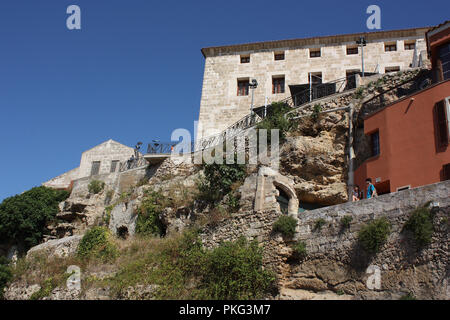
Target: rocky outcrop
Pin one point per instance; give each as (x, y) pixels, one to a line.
(314, 157)
(59, 247)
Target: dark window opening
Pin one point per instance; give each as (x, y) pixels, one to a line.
(352, 50)
(351, 79)
(375, 143)
(446, 170)
(410, 45)
(279, 56)
(444, 61)
(441, 123)
(95, 168)
(314, 53)
(278, 85)
(390, 47)
(114, 165)
(403, 188)
(245, 59)
(243, 87)
(283, 201)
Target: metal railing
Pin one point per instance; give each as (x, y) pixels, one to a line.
(132, 163)
(160, 147)
(404, 89)
(314, 92)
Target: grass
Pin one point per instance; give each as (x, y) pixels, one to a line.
(373, 235)
(319, 224)
(285, 225)
(420, 223)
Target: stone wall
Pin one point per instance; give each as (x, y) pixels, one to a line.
(336, 263)
(220, 105)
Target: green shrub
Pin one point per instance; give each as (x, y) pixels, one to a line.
(5, 274)
(375, 234)
(233, 201)
(45, 290)
(408, 296)
(420, 223)
(234, 271)
(96, 186)
(24, 217)
(276, 120)
(218, 180)
(359, 92)
(345, 221)
(285, 225)
(97, 243)
(299, 250)
(319, 224)
(316, 112)
(148, 221)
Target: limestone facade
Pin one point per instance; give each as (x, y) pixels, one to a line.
(221, 105)
(107, 156)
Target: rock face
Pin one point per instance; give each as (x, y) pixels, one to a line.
(58, 247)
(314, 157)
(336, 266)
(123, 219)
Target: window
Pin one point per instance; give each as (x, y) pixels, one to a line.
(442, 130)
(403, 188)
(351, 78)
(114, 165)
(277, 85)
(444, 61)
(375, 143)
(314, 53)
(315, 77)
(410, 45)
(446, 170)
(390, 47)
(391, 69)
(279, 56)
(245, 59)
(95, 168)
(242, 89)
(352, 50)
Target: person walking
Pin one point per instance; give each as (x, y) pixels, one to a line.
(371, 191)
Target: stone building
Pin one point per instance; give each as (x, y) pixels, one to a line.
(101, 159)
(282, 67)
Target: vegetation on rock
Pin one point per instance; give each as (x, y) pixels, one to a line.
(373, 235)
(5, 274)
(97, 242)
(23, 218)
(148, 221)
(420, 223)
(96, 186)
(285, 225)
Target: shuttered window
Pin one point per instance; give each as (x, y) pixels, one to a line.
(114, 165)
(375, 141)
(278, 85)
(242, 89)
(446, 171)
(441, 123)
(95, 168)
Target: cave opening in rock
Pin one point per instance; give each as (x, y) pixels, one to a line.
(122, 232)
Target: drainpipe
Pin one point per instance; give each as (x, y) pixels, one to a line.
(351, 154)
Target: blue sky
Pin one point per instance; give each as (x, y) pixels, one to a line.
(134, 71)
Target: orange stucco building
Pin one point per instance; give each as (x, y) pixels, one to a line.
(410, 137)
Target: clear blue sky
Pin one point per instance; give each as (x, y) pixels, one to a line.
(134, 71)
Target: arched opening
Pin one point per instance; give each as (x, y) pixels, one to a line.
(283, 200)
(122, 232)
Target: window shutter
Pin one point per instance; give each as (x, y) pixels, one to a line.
(441, 123)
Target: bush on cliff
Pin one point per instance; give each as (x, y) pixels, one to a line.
(148, 221)
(276, 120)
(96, 186)
(97, 243)
(285, 225)
(23, 218)
(420, 223)
(219, 179)
(375, 234)
(5, 275)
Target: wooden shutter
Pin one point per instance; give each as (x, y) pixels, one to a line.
(441, 123)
